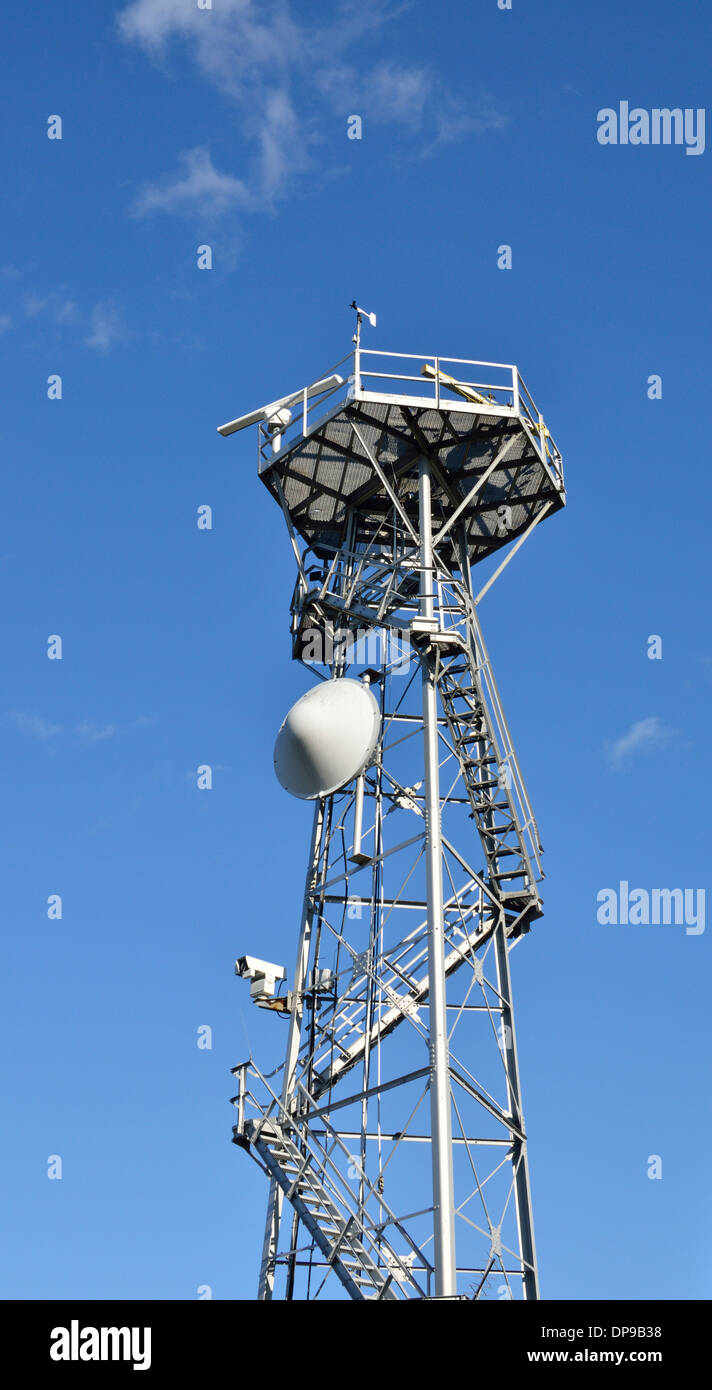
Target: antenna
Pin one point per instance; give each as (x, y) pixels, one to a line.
(277, 414)
(393, 1132)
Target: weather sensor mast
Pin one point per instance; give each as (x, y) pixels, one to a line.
(392, 1134)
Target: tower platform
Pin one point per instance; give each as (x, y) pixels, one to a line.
(495, 468)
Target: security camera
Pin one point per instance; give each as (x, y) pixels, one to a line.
(262, 975)
(248, 967)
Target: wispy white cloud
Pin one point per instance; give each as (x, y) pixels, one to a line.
(233, 44)
(199, 185)
(393, 92)
(643, 736)
(388, 92)
(106, 327)
(95, 733)
(413, 97)
(5, 323)
(56, 306)
(86, 730)
(33, 725)
(453, 119)
(99, 326)
(281, 151)
(278, 70)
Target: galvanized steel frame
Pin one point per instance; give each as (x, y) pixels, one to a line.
(408, 992)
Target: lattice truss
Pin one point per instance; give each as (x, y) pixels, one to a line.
(346, 1139)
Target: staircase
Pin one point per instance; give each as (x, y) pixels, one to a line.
(337, 1237)
(353, 1246)
(512, 863)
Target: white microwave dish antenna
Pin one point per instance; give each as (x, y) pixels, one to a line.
(329, 737)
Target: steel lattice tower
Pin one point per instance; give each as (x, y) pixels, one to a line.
(392, 1135)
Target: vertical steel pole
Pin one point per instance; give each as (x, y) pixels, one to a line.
(300, 969)
(520, 1164)
(269, 1245)
(355, 855)
(440, 1105)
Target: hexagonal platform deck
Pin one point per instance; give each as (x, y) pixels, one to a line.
(495, 468)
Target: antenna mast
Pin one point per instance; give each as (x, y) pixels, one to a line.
(393, 1135)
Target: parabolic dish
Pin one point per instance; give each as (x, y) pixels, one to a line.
(328, 738)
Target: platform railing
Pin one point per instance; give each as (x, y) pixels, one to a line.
(494, 383)
(420, 379)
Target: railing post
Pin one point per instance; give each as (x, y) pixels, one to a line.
(241, 1098)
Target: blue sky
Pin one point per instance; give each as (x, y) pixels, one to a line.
(228, 127)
